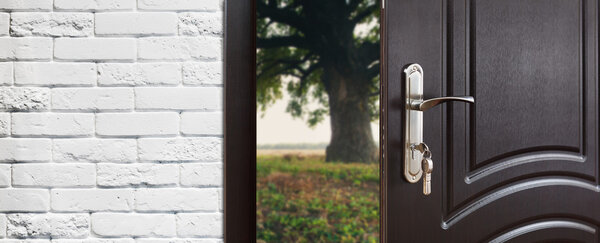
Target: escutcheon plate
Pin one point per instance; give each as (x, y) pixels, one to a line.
(414, 123)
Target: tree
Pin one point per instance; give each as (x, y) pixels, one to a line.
(314, 41)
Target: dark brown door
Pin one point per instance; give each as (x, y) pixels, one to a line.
(519, 165)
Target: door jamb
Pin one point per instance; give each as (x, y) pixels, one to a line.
(239, 182)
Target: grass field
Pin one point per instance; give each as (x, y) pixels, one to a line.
(301, 198)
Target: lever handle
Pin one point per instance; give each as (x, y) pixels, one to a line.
(413, 126)
(423, 105)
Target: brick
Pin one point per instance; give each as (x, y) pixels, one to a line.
(93, 5)
(180, 149)
(136, 23)
(6, 73)
(5, 175)
(94, 150)
(55, 74)
(24, 99)
(220, 199)
(93, 99)
(202, 174)
(194, 24)
(95, 49)
(48, 225)
(202, 123)
(178, 98)
(25, 150)
(205, 5)
(173, 199)
(137, 225)
(24, 200)
(200, 225)
(4, 23)
(4, 124)
(29, 48)
(26, 5)
(52, 24)
(180, 48)
(91, 200)
(52, 124)
(54, 175)
(2, 226)
(25, 241)
(140, 174)
(139, 74)
(203, 73)
(137, 124)
(189, 240)
(94, 240)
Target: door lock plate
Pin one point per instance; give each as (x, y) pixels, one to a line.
(414, 123)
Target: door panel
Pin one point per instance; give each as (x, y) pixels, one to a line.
(549, 230)
(524, 65)
(524, 54)
(521, 163)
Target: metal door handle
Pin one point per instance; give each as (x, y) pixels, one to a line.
(415, 152)
(423, 105)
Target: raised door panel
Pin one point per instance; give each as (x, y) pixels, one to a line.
(534, 121)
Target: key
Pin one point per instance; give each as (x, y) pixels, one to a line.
(427, 166)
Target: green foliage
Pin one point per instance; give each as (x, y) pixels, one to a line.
(300, 41)
(304, 199)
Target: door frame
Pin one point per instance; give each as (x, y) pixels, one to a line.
(239, 183)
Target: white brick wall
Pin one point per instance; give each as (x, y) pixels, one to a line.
(22, 49)
(54, 74)
(111, 121)
(146, 23)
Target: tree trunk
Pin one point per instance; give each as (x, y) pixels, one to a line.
(351, 136)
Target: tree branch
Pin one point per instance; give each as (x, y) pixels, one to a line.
(376, 93)
(282, 41)
(365, 13)
(369, 52)
(281, 15)
(353, 4)
(373, 70)
(290, 64)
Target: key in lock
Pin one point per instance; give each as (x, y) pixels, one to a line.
(427, 167)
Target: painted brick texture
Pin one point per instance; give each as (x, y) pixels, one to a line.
(111, 121)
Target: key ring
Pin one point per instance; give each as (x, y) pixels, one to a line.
(427, 154)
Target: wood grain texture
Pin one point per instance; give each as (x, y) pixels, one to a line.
(413, 34)
(524, 62)
(240, 122)
(526, 152)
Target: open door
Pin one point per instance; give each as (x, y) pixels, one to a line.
(520, 164)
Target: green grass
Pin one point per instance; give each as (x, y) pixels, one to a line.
(304, 199)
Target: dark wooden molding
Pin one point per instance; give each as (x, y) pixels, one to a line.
(383, 129)
(240, 122)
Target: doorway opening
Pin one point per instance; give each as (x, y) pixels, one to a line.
(317, 121)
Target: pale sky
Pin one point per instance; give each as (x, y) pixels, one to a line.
(278, 126)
